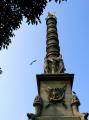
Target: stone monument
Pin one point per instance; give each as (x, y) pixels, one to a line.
(55, 100)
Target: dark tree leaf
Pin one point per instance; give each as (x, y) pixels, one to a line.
(11, 16)
(0, 71)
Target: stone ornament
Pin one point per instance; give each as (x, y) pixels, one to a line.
(37, 101)
(75, 103)
(56, 95)
(51, 14)
(54, 65)
(38, 108)
(38, 104)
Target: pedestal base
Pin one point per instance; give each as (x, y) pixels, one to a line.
(56, 100)
(58, 118)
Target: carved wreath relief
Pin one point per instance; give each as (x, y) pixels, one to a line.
(56, 95)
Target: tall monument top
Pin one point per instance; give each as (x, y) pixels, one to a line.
(51, 15)
(53, 63)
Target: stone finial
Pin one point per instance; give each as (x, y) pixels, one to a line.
(51, 15)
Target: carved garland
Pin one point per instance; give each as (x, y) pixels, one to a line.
(56, 95)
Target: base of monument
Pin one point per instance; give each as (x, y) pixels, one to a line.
(58, 118)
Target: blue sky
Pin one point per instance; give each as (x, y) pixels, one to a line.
(18, 86)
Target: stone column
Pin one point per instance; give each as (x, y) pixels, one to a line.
(53, 63)
(52, 43)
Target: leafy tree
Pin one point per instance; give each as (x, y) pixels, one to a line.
(11, 15)
(0, 71)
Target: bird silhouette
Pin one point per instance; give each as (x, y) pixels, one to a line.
(32, 62)
(74, 92)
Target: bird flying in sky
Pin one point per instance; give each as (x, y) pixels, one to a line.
(32, 62)
(74, 92)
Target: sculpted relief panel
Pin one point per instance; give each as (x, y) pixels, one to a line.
(56, 95)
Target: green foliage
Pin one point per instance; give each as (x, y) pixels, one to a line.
(11, 15)
(0, 71)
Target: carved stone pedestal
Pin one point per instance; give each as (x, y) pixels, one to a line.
(55, 91)
(55, 99)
